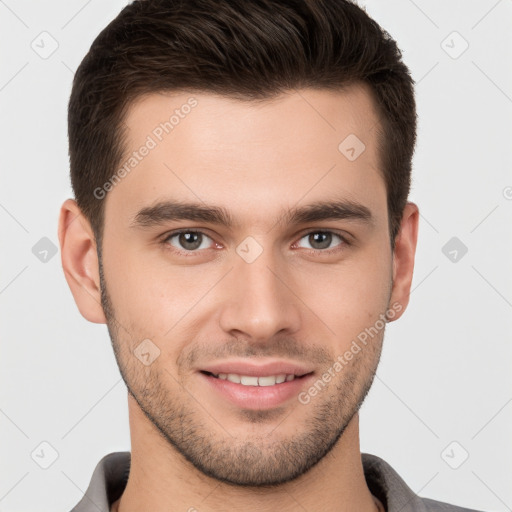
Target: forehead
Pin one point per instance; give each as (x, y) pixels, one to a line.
(215, 120)
(255, 156)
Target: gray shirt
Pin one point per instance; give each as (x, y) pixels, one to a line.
(111, 474)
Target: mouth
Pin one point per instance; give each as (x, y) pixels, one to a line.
(253, 380)
(255, 392)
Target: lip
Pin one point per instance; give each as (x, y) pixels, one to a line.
(257, 397)
(262, 368)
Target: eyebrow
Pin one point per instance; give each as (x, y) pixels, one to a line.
(166, 211)
(328, 210)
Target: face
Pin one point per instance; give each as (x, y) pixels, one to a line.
(246, 246)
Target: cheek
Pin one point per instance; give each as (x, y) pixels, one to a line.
(150, 295)
(348, 298)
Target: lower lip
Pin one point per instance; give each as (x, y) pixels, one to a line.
(257, 397)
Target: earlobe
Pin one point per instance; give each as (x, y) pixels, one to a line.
(80, 261)
(403, 258)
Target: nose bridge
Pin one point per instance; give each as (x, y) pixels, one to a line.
(259, 304)
(258, 278)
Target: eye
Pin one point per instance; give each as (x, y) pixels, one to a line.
(322, 240)
(188, 240)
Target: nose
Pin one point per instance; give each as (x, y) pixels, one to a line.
(259, 301)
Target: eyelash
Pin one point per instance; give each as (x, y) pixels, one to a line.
(344, 241)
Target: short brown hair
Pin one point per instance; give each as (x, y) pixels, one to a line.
(250, 50)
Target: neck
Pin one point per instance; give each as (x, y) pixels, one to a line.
(162, 480)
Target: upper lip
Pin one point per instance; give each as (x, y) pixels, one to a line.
(260, 369)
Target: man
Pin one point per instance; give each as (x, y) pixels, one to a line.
(241, 173)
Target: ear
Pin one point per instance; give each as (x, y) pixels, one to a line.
(403, 258)
(80, 261)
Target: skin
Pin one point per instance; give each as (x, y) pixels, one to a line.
(190, 446)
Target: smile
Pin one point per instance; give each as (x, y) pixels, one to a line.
(250, 380)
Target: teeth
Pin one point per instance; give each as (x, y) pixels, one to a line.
(267, 381)
(248, 380)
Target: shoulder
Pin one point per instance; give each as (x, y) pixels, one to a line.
(439, 506)
(392, 490)
(107, 483)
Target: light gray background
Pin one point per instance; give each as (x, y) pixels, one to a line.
(445, 371)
